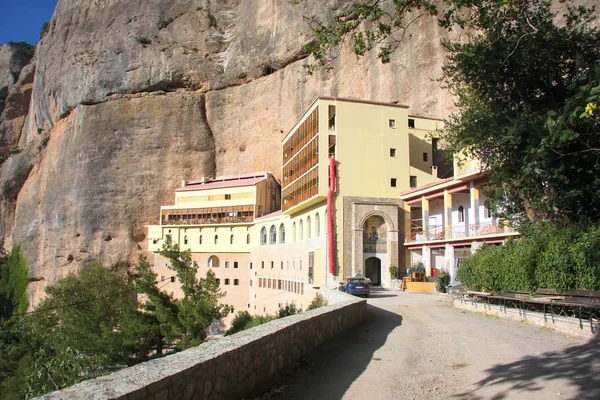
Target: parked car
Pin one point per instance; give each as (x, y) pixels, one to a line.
(357, 286)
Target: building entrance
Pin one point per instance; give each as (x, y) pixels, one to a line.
(373, 270)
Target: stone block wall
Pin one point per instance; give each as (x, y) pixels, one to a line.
(229, 367)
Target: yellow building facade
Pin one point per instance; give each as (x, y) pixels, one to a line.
(337, 211)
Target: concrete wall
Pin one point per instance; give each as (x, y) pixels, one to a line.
(567, 325)
(229, 367)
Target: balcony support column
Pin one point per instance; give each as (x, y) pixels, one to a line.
(474, 195)
(427, 260)
(448, 214)
(449, 258)
(425, 217)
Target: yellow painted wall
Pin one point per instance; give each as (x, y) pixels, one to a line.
(208, 233)
(244, 195)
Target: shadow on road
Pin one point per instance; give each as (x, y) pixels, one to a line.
(578, 365)
(328, 371)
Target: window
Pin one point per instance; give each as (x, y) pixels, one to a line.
(218, 281)
(248, 239)
(262, 264)
(162, 278)
(411, 123)
(301, 230)
(263, 236)
(227, 197)
(331, 110)
(185, 239)
(272, 264)
(250, 265)
(393, 182)
(226, 281)
(294, 232)
(461, 214)
(172, 279)
(231, 239)
(216, 239)
(154, 241)
(392, 123)
(200, 240)
(281, 234)
(282, 265)
(226, 264)
(392, 152)
(273, 234)
(317, 225)
(308, 227)
(413, 181)
(236, 282)
(425, 157)
(213, 262)
(235, 264)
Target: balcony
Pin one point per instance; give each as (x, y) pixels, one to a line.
(209, 216)
(434, 233)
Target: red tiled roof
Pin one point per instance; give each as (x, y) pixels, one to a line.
(273, 214)
(221, 184)
(418, 189)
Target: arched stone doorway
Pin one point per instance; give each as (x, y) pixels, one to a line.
(374, 247)
(373, 270)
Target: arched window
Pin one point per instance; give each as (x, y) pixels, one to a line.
(213, 262)
(200, 240)
(273, 235)
(294, 232)
(248, 239)
(461, 214)
(263, 236)
(317, 225)
(216, 239)
(308, 228)
(231, 239)
(301, 232)
(281, 234)
(185, 239)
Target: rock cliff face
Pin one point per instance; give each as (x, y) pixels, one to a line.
(129, 97)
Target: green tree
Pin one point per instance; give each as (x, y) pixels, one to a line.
(14, 278)
(526, 87)
(200, 305)
(159, 308)
(79, 326)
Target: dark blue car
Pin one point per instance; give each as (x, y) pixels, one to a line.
(357, 286)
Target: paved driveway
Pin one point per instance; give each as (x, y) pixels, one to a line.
(417, 346)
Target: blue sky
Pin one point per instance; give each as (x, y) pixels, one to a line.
(21, 20)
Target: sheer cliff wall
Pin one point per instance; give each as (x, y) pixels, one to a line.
(125, 98)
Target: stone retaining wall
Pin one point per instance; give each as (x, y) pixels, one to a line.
(567, 325)
(230, 367)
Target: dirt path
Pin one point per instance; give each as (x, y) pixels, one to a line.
(417, 346)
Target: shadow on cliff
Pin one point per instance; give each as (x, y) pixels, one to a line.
(328, 371)
(576, 366)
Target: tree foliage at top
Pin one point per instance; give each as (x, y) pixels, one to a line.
(527, 85)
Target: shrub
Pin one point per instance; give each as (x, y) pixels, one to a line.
(143, 40)
(442, 280)
(417, 267)
(163, 22)
(242, 318)
(318, 301)
(288, 309)
(556, 265)
(393, 271)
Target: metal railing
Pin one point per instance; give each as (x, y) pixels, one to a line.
(418, 234)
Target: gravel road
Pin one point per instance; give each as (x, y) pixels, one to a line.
(417, 346)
